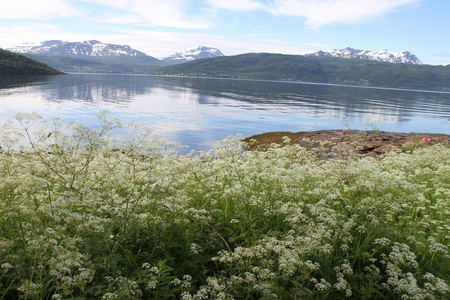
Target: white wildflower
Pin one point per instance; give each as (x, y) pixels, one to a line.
(382, 241)
(195, 248)
(110, 296)
(152, 284)
(146, 266)
(6, 266)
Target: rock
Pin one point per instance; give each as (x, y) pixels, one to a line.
(348, 142)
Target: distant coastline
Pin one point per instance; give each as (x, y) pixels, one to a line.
(286, 81)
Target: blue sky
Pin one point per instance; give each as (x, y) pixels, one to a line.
(162, 27)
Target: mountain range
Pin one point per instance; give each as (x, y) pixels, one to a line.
(404, 57)
(90, 57)
(86, 48)
(347, 66)
(94, 48)
(96, 57)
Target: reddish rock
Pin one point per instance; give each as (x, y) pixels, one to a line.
(371, 143)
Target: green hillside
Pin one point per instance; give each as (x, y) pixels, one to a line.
(12, 63)
(101, 64)
(268, 66)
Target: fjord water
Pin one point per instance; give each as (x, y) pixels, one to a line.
(199, 112)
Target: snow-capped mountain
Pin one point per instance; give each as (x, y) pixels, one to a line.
(404, 57)
(86, 48)
(192, 54)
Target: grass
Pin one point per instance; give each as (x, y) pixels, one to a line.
(85, 216)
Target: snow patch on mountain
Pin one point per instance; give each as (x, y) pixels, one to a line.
(404, 57)
(86, 48)
(187, 55)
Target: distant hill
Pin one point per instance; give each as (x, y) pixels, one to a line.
(13, 63)
(101, 64)
(199, 52)
(90, 57)
(404, 57)
(318, 69)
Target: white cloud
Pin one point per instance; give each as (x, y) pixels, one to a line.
(30, 32)
(38, 10)
(317, 45)
(323, 12)
(239, 5)
(441, 55)
(162, 44)
(319, 12)
(169, 13)
(152, 42)
(116, 18)
(444, 59)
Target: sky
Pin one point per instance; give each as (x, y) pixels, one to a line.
(163, 27)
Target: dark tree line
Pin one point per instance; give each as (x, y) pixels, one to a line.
(13, 63)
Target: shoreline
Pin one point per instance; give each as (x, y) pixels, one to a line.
(366, 143)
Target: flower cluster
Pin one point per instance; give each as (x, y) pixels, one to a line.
(88, 216)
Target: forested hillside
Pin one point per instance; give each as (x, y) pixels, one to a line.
(100, 64)
(317, 69)
(12, 63)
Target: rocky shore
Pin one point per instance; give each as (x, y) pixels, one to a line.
(370, 143)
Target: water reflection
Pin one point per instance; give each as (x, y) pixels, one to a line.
(323, 99)
(96, 88)
(200, 111)
(13, 81)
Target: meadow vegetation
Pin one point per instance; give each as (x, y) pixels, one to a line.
(86, 216)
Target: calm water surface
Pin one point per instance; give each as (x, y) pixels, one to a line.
(198, 112)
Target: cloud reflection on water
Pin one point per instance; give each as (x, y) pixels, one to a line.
(200, 111)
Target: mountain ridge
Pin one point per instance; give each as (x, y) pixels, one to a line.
(90, 56)
(404, 57)
(95, 48)
(84, 48)
(379, 68)
(94, 56)
(199, 52)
